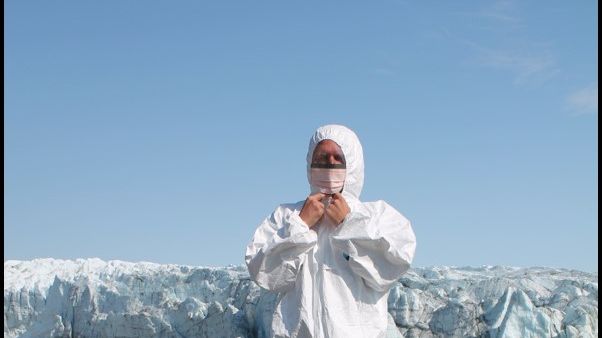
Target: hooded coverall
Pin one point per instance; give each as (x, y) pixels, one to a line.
(333, 281)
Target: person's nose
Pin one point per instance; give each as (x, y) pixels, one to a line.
(332, 159)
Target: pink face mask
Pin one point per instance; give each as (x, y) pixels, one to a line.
(328, 180)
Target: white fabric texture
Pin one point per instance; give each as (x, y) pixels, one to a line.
(332, 281)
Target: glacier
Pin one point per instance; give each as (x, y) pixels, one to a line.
(96, 298)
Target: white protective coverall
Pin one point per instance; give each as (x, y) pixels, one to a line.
(332, 281)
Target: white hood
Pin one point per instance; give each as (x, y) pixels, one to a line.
(354, 156)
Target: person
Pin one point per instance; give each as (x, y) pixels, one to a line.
(331, 258)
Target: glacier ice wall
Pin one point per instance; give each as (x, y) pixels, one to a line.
(94, 298)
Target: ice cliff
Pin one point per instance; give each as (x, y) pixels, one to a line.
(94, 298)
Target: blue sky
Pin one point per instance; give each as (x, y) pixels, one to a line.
(165, 132)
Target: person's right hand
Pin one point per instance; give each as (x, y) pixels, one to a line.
(313, 209)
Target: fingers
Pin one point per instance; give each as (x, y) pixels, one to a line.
(338, 196)
(316, 203)
(335, 206)
(339, 205)
(329, 212)
(317, 196)
(339, 201)
(336, 203)
(334, 214)
(314, 208)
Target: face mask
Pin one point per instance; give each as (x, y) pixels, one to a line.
(328, 178)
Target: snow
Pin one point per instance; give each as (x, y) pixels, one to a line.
(96, 298)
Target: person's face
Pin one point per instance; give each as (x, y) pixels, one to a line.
(328, 152)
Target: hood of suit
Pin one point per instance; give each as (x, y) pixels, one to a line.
(354, 156)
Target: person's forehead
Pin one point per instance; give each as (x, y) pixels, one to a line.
(328, 145)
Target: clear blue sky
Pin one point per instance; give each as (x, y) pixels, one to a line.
(166, 131)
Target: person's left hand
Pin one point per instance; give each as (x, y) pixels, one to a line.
(338, 208)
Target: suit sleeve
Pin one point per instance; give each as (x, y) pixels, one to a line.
(275, 253)
(379, 248)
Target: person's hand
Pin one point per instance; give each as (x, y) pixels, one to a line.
(338, 208)
(313, 209)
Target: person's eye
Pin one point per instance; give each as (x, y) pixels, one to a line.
(320, 158)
